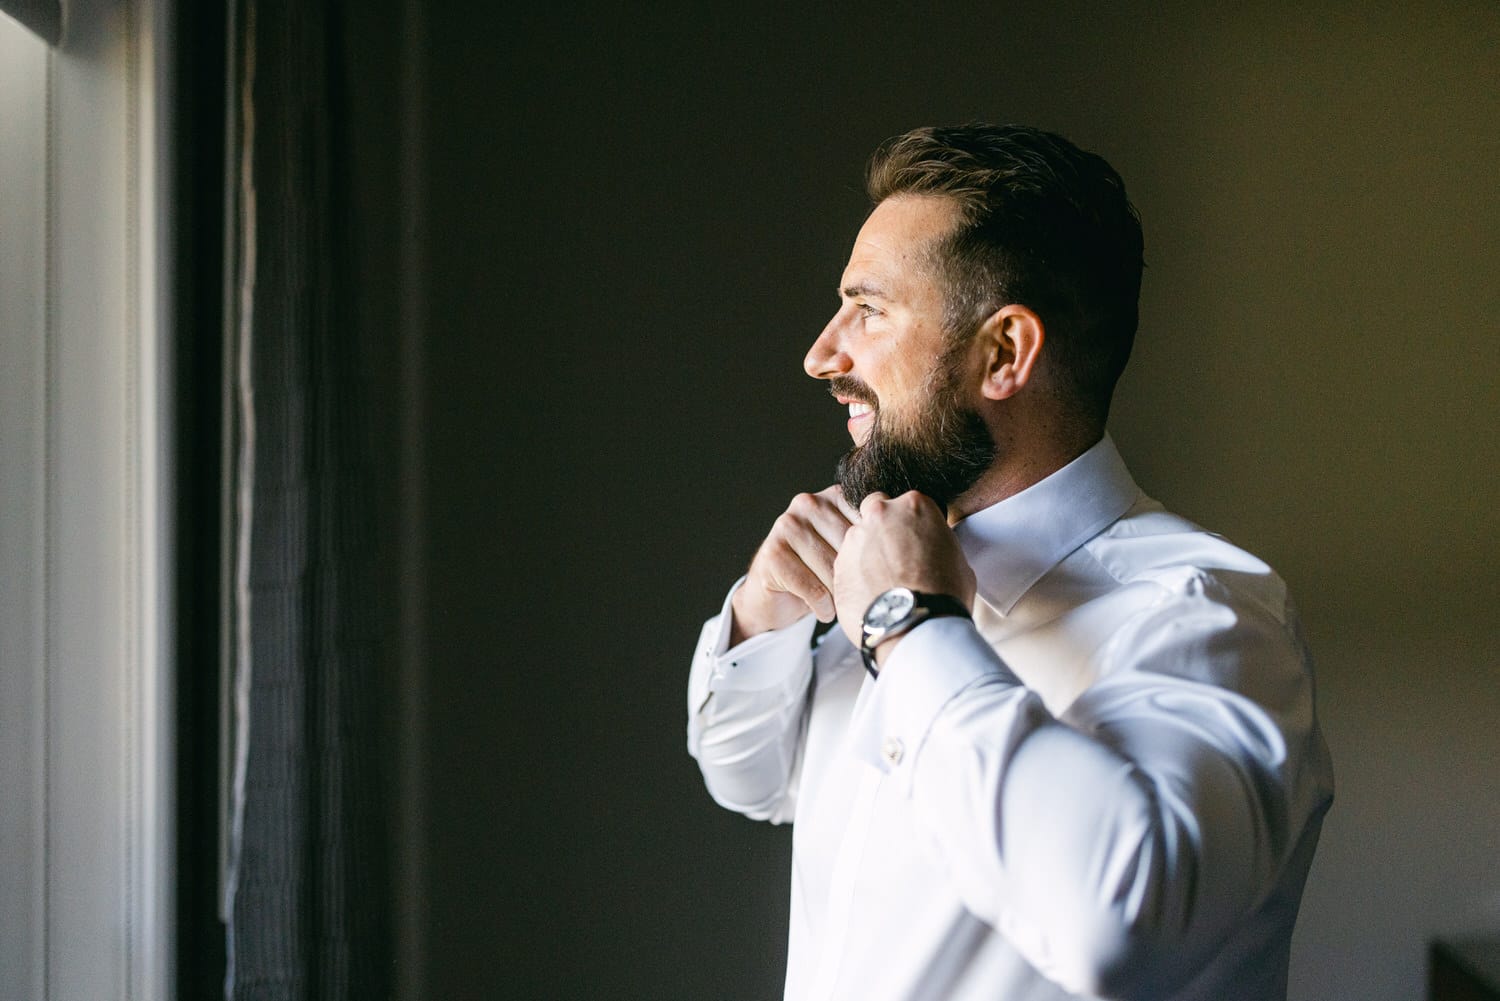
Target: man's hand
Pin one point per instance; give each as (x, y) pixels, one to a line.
(905, 542)
(792, 572)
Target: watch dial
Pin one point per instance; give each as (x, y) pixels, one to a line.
(891, 607)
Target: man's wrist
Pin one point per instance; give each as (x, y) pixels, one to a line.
(747, 622)
(882, 652)
(738, 633)
(897, 611)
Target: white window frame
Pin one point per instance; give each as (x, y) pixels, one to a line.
(86, 759)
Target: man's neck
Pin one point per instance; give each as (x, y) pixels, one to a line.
(1016, 469)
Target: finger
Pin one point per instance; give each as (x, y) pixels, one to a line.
(871, 502)
(792, 575)
(846, 554)
(831, 523)
(921, 503)
(823, 514)
(849, 511)
(817, 554)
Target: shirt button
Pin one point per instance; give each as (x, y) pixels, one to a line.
(892, 750)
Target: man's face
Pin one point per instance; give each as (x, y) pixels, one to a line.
(888, 357)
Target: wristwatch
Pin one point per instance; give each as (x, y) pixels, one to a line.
(896, 611)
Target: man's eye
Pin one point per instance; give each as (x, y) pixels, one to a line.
(868, 310)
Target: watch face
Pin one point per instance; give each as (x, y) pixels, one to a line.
(890, 608)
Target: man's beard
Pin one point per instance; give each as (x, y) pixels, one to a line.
(942, 456)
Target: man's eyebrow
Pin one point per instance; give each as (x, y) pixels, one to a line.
(864, 289)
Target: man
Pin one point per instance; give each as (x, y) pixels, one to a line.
(1063, 742)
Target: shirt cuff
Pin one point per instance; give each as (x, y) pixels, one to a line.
(764, 661)
(929, 665)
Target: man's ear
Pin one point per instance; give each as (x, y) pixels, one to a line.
(1013, 337)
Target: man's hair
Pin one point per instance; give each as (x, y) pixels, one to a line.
(1043, 224)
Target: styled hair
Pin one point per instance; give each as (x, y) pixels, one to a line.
(1043, 224)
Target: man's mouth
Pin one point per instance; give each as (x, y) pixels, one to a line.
(861, 417)
(860, 400)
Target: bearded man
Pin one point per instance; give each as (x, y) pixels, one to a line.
(1063, 743)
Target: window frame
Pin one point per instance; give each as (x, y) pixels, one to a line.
(89, 580)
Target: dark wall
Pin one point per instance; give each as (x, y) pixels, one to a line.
(625, 229)
(637, 224)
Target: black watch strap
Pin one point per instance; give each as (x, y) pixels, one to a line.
(928, 606)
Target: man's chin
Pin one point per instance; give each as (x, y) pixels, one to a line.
(942, 467)
(858, 479)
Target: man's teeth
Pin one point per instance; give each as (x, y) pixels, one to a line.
(859, 409)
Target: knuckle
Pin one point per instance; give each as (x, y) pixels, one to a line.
(777, 551)
(809, 590)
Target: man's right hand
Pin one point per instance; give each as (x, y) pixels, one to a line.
(792, 572)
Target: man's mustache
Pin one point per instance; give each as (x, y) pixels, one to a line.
(851, 388)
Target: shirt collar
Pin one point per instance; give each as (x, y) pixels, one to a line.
(1011, 544)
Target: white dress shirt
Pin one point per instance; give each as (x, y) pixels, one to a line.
(1109, 784)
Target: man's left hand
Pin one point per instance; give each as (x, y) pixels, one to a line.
(897, 542)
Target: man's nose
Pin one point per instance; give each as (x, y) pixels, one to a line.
(826, 358)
